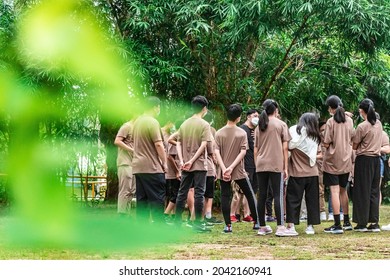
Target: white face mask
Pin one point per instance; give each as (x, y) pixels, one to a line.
(255, 121)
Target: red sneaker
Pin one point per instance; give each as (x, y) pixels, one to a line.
(248, 219)
(233, 219)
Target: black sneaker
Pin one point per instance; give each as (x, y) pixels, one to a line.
(373, 228)
(360, 228)
(213, 220)
(199, 227)
(334, 229)
(347, 226)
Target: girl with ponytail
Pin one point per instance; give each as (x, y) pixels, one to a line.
(271, 158)
(366, 189)
(337, 161)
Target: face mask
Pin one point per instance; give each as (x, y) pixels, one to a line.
(255, 121)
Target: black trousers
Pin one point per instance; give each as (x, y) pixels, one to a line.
(366, 190)
(296, 186)
(150, 193)
(275, 179)
(172, 189)
(226, 194)
(197, 179)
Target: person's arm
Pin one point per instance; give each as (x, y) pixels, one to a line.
(221, 164)
(187, 165)
(161, 154)
(119, 143)
(285, 160)
(385, 149)
(173, 139)
(177, 168)
(355, 146)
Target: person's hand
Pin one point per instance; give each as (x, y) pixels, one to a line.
(285, 175)
(187, 166)
(165, 167)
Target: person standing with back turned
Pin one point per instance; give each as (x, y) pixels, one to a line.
(194, 138)
(271, 155)
(367, 143)
(337, 162)
(149, 163)
(231, 147)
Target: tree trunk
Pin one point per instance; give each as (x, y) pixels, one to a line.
(107, 136)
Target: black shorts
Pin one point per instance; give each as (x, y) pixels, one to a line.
(210, 187)
(336, 179)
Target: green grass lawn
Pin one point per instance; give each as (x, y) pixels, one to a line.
(243, 243)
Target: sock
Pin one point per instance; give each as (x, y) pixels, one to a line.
(336, 220)
(208, 215)
(346, 218)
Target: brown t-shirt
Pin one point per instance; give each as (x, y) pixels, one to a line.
(125, 157)
(369, 139)
(146, 132)
(230, 140)
(191, 134)
(337, 157)
(299, 165)
(269, 144)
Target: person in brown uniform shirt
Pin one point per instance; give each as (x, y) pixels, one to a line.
(231, 146)
(194, 136)
(126, 182)
(271, 156)
(149, 163)
(367, 169)
(337, 163)
(303, 173)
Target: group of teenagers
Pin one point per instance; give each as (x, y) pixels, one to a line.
(167, 169)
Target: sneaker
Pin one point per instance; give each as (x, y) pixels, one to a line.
(347, 226)
(323, 216)
(330, 217)
(334, 229)
(213, 220)
(269, 219)
(256, 226)
(248, 219)
(207, 224)
(199, 227)
(189, 224)
(264, 230)
(283, 231)
(360, 228)
(373, 228)
(302, 218)
(309, 229)
(386, 227)
(227, 229)
(233, 219)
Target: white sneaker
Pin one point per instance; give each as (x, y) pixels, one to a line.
(323, 216)
(386, 227)
(283, 231)
(264, 230)
(330, 217)
(310, 230)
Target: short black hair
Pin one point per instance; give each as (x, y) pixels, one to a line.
(233, 112)
(151, 102)
(252, 111)
(198, 103)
